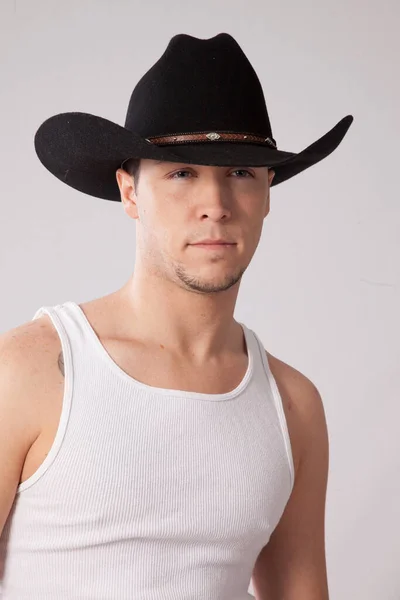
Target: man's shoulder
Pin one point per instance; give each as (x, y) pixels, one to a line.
(302, 404)
(296, 383)
(28, 352)
(26, 339)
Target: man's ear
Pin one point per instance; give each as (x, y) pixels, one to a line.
(127, 190)
(271, 175)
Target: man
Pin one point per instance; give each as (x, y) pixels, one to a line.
(150, 447)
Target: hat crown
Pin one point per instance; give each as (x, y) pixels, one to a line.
(199, 85)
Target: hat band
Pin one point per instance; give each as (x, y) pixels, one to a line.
(211, 136)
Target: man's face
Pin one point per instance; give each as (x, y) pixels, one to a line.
(177, 205)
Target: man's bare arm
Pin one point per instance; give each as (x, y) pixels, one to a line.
(292, 566)
(27, 354)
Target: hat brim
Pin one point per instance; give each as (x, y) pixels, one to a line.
(84, 151)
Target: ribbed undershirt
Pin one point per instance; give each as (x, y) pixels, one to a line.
(148, 493)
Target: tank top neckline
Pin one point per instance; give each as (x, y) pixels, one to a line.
(176, 393)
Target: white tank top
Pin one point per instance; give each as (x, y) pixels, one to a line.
(148, 493)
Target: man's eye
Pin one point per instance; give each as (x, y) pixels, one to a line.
(186, 171)
(243, 171)
(177, 173)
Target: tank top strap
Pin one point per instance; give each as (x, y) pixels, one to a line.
(64, 328)
(257, 352)
(69, 325)
(262, 373)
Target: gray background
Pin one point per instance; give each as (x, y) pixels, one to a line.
(322, 290)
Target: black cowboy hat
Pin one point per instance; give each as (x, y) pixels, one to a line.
(200, 103)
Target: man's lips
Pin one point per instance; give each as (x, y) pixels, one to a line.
(214, 242)
(214, 246)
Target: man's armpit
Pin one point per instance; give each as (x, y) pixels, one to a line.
(61, 363)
